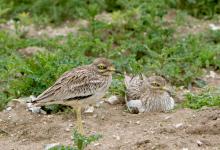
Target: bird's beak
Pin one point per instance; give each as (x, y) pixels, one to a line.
(112, 69)
(166, 89)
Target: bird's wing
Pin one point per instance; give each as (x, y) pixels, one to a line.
(76, 84)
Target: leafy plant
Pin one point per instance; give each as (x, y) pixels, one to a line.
(207, 98)
(80, 142)
(200, 8)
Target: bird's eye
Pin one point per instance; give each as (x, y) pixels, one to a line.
(155, 84)
(101, 66)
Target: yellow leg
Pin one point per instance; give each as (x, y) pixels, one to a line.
(79, 120)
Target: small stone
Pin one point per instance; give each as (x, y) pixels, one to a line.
(32, 97)
(212, 74)
(97, 105)
(178, 125)
(70, 125)
(49, 146)
(97, 144)
(23, 140)
(89, 110)
(43, 112)
(138, 122)
(167, 118)
(214, 27)
(67, 129)
(35, 109)
(102, 117)
(8, 108)
(113, 100)
(199, 143)
(117, 137)
(29, 105)
(185, 148)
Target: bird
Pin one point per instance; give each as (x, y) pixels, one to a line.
(82, 85)
(156, 96)
(147, 94)
(133, 86)
(134, 89)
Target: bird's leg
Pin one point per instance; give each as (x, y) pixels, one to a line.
(79, 119)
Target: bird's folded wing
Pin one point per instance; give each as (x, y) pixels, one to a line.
(75, 84)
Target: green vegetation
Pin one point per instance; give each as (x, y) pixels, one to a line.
(199, 8)
(207, 98)
(80, 142)
(137, 40)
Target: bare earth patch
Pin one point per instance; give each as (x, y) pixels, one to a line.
(183, 128)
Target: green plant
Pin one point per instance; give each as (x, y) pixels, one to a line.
(207, 98)
(200, 8)
(80, 142)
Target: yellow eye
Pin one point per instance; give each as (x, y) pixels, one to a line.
(155, 84)
(101, 66)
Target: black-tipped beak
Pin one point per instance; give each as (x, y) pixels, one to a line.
(112, 69)
(119, 72)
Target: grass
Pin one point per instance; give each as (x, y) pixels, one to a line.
(80, 142)
(137, 40)
(207, 98)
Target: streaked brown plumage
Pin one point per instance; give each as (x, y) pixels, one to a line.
(147, 94)
(133, 86)
(156, 96)
(84, 84)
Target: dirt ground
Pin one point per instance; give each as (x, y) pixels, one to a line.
(181, 129)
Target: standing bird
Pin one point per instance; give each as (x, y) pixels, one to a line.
(82, 85)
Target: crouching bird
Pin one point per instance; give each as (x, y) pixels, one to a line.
(82, 85)
(147, 94)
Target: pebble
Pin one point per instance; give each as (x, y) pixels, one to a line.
(167, 117)
(117, 137)
(37, 110)
(178, 125)
(214, 27)
(49, 146)
(67, 129)
(199, 143)
(70, 125)
(138, 122)
(89, 110)
(29, 105)
(97, 144)
(113, 100)
(8, 108)
(102, 117)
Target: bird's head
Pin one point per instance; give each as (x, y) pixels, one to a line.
(104, 66)
(157, 83)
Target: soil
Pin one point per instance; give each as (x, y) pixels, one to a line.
(182, 128)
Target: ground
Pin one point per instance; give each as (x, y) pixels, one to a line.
(182, 128)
